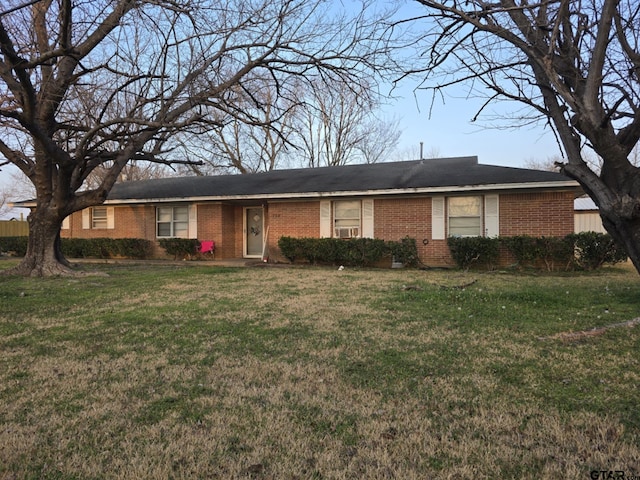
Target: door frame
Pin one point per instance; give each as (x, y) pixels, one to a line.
(245, 243)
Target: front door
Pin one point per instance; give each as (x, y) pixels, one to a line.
(253, 233)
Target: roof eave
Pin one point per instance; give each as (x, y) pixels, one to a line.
(562, 185)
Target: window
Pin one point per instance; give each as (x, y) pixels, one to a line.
(465, 216)
(172, 222)
(99, 217)
(346, 218)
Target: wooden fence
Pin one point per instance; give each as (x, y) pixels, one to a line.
(13, 228)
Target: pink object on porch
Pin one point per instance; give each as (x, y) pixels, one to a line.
(207, 246)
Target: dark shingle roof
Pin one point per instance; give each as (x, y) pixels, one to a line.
(403, 176)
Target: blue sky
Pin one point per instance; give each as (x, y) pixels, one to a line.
(448, 129)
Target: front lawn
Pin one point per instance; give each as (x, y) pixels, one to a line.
(314, 373)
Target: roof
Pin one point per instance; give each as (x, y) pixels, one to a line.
(419, 176)
(584, 203)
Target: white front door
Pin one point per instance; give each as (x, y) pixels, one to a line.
(253, 231)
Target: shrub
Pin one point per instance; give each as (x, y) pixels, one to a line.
(14, 245)
(355, 252)
(405, 251)
(524, 248)
(552, 252)
(106, 247)
(86, 247)
(585, 250)
(180, 247)
(291, 248)
(555, 252)
(472, 251)
(592, 250)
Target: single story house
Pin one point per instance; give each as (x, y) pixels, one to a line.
(428, 200)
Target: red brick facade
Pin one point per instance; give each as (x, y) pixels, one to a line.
(534, 213)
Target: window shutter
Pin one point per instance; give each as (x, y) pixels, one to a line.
(491, 216)
(325, 218)
(367, 218)
(65, 223)
(110, 218)
(193, 221)
(86, 219)
(437, 218)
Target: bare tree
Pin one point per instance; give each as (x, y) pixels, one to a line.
(575, 64)
(551, 164)
(338, 125)
(88, 85)
(236, 146)
(380, 140)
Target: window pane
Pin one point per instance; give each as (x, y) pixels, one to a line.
(164, 214)
(347, 209)
(181, 214)
(99, 217)
(464, 207)
(347, 223)
(180, 229)
(164, 229)
(464, 226)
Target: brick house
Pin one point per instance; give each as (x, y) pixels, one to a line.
(428, 200)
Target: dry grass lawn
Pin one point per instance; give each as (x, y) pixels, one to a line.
(313, 373)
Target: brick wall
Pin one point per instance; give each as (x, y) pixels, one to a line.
(536, 214)
(291, 219)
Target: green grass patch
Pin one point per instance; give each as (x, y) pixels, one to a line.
(159, 371)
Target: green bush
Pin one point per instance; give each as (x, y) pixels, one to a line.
(524, 248)
(291, 248)
(14, 245)
(474, 251)
(555, 252)
(586, 251)
(354, 252)
(86, 247)
(405, 251)
(180, 247)
(592, 250)
(106, 247)
(552, 252)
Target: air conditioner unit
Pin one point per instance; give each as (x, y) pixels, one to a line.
(346, 232)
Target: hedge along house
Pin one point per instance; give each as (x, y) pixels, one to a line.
(428, 200)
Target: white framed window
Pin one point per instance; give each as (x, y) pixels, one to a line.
(172, 222)
(346, 218)
(465, 216)
(99, 217)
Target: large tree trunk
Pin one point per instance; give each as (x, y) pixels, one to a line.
(626, 232)
(44, 256)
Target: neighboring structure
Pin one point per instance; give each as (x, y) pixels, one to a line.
(587, 216)
(428, 200)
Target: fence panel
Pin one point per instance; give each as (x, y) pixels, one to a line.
(13, 228)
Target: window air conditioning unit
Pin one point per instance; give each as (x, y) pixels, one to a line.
(346, 232)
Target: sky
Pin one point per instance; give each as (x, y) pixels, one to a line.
(448, 130)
